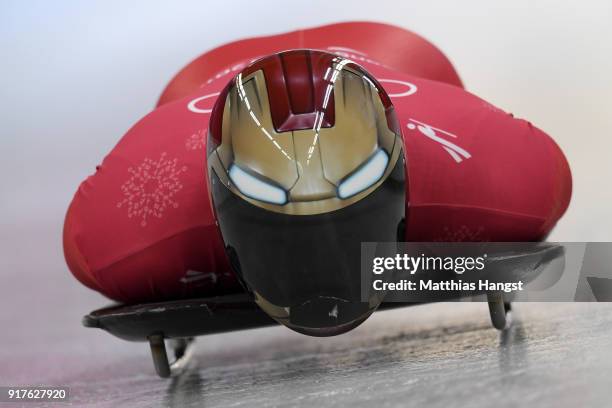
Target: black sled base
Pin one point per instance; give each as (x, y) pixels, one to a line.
(180, 321)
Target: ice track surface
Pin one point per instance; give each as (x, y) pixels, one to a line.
(438, 355)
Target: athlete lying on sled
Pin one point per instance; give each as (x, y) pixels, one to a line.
(263, 171)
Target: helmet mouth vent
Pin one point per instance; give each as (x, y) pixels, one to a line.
(321, 316)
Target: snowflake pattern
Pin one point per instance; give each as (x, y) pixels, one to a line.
(150, 190)
(196, 141)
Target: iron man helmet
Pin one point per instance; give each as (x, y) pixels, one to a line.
(305, 162)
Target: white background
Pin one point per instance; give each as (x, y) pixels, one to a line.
(74, 76)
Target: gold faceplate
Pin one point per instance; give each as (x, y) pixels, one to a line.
(308, 164)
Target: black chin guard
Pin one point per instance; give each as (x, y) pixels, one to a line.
(304, 270)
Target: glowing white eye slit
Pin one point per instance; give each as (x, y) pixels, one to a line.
(366, 176)
(255, 188)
